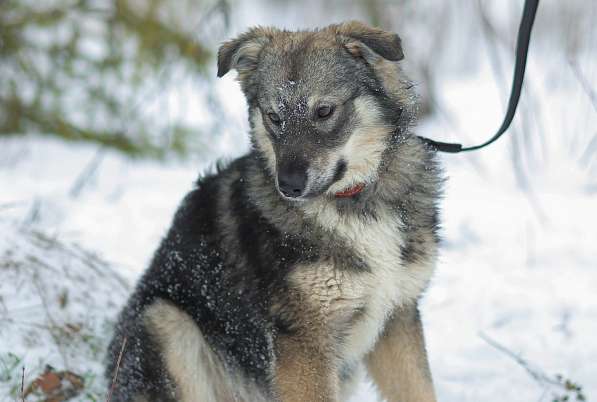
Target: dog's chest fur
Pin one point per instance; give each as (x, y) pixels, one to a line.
(358, 302)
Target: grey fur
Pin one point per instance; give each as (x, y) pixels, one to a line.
(244, 262)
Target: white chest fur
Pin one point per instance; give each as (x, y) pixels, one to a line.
(388, 284)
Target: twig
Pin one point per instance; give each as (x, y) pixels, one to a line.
(537, 375)
(563, 389)
(48, 328)
(51, 321)
(592, 95)
(584, 82)
(589, 151)
(113, 386)
(32, 214)
(88, 172)
(23, 385)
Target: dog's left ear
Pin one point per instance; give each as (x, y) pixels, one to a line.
(242, 53)
(367, 42)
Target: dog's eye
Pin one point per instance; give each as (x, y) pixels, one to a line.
(274, 118)
(324, 111)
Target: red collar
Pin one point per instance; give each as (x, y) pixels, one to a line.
(350, 192)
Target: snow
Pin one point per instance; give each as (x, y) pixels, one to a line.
(58, 304)
(525, 278)
(518, 264)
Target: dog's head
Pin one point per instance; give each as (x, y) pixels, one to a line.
(324, 105)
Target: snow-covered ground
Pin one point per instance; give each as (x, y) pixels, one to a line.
(520, 270)
(518, 265)
(58, 303)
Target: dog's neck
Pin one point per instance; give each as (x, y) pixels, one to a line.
(407, 172)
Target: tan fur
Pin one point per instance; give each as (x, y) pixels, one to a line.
(390, 74)
(304, 371)
(262, 140)
(198, 373)
(364, 149)
(398, 364)
(306, 366)
(337, 295)
(388, 286)
(250, 49)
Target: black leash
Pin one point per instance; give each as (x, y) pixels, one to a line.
(522, 49)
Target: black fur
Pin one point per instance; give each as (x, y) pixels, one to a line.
(199, 270)
(234, 240)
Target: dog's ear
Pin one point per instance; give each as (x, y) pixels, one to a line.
(242, 53)
(364, 41)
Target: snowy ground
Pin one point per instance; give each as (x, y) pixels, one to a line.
(57, 307)
(518, 266)
(524, 278)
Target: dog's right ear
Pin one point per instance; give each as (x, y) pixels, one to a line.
(242, 53)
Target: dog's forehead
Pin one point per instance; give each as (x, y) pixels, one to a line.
(297, 66)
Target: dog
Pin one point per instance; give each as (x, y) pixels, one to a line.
(295, 270)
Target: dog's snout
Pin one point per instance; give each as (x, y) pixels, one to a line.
(292, 181)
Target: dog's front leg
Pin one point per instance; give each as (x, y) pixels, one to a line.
(304, 371)
(398, 363)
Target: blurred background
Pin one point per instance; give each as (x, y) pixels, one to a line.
(110, 109)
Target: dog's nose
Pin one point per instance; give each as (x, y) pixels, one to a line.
(292, 183)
